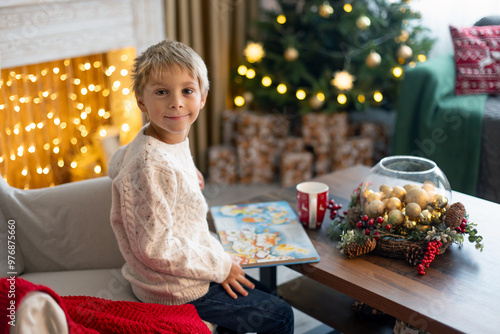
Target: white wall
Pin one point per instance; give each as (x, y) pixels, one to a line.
(35, 31)
(437, 15)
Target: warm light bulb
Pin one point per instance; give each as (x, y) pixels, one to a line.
(254, 52)
(242, 70)
(341, 99)
(31, 149)
(84, 91)
(103, 133)
(24, 172)
(361, 98)
(55, 70)
(250, 73)
(60, 162)
(125, 127)
(281, 19)
(348, 8)
(101, 112)
(97, 169)
(84, 149)
(320, 96)
(397, 71)
(377, 96)
(421, 58)
(125, 91)
(87, 66)
(46, 170)
(281, 88)
(124, 73)
(239, 101)
(266, 81)
(56, 150)
(301, 94)
(91, 87)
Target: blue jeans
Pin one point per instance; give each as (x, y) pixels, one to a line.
(258, 312)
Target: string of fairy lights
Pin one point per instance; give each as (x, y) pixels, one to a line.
(62, 119)
(341, 80)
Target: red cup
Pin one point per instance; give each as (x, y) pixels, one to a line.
(312, 198)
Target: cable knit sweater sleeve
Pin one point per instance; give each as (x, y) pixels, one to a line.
(156, 240)
(159, 218)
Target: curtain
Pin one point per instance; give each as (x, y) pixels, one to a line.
(217, 30)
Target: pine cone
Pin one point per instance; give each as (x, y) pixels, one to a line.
(414, 254)
(454, 215)
(354, 249)
(353, 215)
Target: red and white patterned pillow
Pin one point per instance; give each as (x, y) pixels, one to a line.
(477, 59)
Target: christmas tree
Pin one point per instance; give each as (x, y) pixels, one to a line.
(318, 55)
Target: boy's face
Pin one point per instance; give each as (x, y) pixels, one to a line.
(173, 102)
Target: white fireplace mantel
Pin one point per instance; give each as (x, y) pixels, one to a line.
(35, 31)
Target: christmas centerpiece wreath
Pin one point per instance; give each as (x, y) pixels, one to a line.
(403, 210)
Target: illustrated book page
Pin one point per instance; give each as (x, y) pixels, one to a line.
(263, 234)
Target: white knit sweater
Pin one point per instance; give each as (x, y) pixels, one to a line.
(158, 215)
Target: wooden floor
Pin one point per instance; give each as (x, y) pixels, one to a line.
(223, 194)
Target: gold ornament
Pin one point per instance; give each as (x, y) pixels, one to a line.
(343, 80)
(405, 52)
(425, 218)
(395, 217)
(363, 22)
(316, 101)
(409, 224)
(393, 203)
(403, 37)
(254, 52)
(398, 192)
(413, 211)
(325, 10)
(440, 201)
(248, 96)
(373, 59)
(417, 195)
(291, 53)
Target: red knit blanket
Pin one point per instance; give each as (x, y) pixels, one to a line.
(90, 315)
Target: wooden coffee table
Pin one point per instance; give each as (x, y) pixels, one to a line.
(460, 291)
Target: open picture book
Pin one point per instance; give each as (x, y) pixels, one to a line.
(263, 234)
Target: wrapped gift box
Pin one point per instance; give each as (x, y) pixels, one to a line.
(295, 167)
(356, 150)
(222, 164)
(256, 160)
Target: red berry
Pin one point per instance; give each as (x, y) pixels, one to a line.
(345, 212)
(380, 219)
(334, 212)
(365, 218)
(388, 227)
(332, 201)
(367, 231)
(359, 224)
(371, 222)
(464, 220)
(376, 235)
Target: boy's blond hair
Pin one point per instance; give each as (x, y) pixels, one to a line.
(168, 54)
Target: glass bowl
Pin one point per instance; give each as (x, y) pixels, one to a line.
(408, 192)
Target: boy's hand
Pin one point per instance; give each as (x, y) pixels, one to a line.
(201, 180)
(235, 277)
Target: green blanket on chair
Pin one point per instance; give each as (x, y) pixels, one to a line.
(433, 122)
